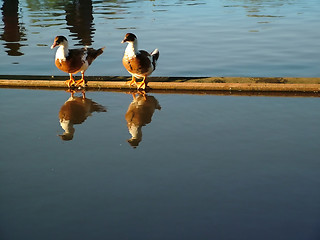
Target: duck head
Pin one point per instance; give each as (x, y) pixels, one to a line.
(130, 37)
(59, 41)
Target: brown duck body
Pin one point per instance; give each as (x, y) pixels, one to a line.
(77, 59)
(74, 60)
(139, 63)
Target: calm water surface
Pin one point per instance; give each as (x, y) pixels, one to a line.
(110, 165)
(235, 167)
(195, 38)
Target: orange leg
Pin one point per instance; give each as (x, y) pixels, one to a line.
(142, 84)
(142, 93)
(81, 82)
(132, 82)
(71, 92)
(71, 81)
(83, 94)
(134, 96)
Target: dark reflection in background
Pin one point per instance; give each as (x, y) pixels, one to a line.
(75, 111)
(257, 7)
(13, 31)
(139, 114)
(80, 21)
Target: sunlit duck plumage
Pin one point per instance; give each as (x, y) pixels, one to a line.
(73, 61)
(75, 111)
(139, 63)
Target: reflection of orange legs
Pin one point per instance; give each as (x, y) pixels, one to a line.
(70, 82)
(139, 92)
(134, 96)
(132, 82)
(81, 82)
(142, 93)
(72, 92)
(142, 84)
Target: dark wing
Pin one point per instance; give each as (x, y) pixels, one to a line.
(74, 61)
(139, 64)
(92, 54)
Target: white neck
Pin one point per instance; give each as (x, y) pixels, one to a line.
(67, 126)
(62, 51)
(132, 49)
(135, 131)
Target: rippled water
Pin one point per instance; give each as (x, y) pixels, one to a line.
(195, 38)
(175, 166)
(206, 167)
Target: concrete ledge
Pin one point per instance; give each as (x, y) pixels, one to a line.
(174, 83)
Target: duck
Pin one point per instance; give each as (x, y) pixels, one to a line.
(139, 63)
(75, 111)
(73, 61)
(139, 114)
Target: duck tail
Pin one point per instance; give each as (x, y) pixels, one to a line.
(94, 53)
(155, 55)
(100, 51)
(96, 107)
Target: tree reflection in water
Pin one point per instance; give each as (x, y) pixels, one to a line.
(13, 31)
(78, 16)
(80, 21)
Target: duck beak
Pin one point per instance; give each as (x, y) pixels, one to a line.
(54, 45)
(124, 40)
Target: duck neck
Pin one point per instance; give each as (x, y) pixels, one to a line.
(135, 131)
(62, 51)
(132, 49)
(67, 126)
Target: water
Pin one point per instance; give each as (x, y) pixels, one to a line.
(199, 167)
(196, 38)
(207, 167)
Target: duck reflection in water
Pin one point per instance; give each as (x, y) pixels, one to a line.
(75, 111)
(139, 114)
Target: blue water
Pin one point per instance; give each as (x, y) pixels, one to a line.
(204, 167)
(195, 38)
(207, 167)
